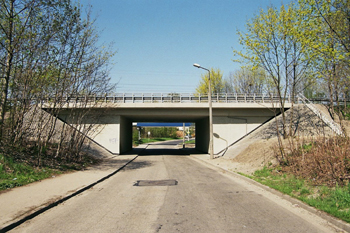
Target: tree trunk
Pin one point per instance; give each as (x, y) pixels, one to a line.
(8, 67)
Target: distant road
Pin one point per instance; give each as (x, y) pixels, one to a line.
(203, 200)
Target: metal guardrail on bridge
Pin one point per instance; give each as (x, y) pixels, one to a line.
(173, 98)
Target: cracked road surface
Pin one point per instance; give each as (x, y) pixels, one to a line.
(203, 200)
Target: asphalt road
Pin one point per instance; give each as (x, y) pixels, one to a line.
(203, 200)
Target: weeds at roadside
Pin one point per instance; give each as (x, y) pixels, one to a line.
(333, 200)
(322, 161)
(21, 167)
(14, 174)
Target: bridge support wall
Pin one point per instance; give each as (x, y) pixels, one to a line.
(125, 135)
(115, 134)
(107, 133)
(112, 132)
(202, 135)
(227, 130)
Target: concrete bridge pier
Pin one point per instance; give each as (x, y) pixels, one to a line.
(114, 133)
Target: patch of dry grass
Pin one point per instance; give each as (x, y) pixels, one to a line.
(323, 160)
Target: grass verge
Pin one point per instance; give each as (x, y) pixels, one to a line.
(190, 142)
(14, 174)
(149, 140)
(332, 200)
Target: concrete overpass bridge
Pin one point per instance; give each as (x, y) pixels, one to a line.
(234, 115)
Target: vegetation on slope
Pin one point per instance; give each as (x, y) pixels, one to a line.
(19, 166)
(316, 172)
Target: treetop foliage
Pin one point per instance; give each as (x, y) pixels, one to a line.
(303, 48)
(216, 81)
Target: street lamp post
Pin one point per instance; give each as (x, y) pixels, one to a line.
(211, 146)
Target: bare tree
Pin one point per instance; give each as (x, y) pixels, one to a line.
(49, 54)
(248, 80)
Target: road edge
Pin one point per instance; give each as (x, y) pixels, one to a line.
(61, 200)
(333, 220)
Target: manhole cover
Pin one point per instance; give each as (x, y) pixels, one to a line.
(155, 183)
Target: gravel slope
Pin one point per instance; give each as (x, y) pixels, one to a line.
(257, 149)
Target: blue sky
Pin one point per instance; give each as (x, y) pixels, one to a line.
(157, 41)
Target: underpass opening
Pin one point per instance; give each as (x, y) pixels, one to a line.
(164, 138)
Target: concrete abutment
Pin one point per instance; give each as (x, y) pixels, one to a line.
(113, 126)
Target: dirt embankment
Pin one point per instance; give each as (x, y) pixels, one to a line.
(258, 149)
